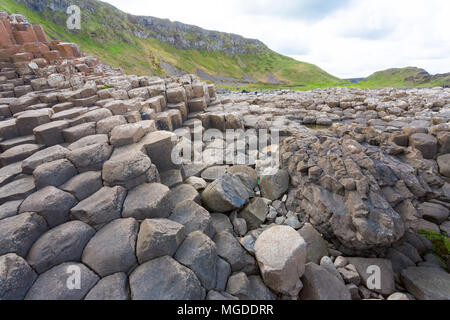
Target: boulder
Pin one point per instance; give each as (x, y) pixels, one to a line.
(255, 213)
(17, 190)
(111, 288)
(274, 186)
(64, 243)
(444, 165)
(18, 153)
(365, 268)
(18, 233)
(90, 158)
(50, 203)
(147, 201)
(225, 194)
(9, 209)
(53, 284)
(113, 248)
(433, 212)
(101, 208)
(126, 134)
(281, 253)
(229, 249)
(16, 277)
(193, 216)
(425, 143)
(316, 246)
(319, 284)
(127, 169)
(54, 173)
(10, 172)
(165, 279)
(44, 156)
(158, 238)
(84, 185)
(198, 253)
(182, 193)
(223, 272)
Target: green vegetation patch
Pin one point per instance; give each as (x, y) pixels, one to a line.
(441, 244)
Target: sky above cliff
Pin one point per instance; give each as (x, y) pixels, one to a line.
(347, 38)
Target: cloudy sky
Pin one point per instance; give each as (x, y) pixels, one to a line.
(347, 38)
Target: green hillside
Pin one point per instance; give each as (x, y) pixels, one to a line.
(404, 78)
(107, 33)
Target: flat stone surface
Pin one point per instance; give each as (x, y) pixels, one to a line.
(427, 283)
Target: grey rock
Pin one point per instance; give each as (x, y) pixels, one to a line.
(223, 272)
(84, 185)
(102, 207)
(182, 193)
(16, 277)
(427, 283)
(425, 143)
(229, 249)
(221, 222)
(50, 203)
(158, 238)
(113, 248)
(53, 284)
(17, 190)
(18, 233)
(64, 243)
(274, 186)
(225, 194)
(128, 169)
(9, 209)
(316, 247)
(255, 213)
(10, 172)
(281, 253)
(54, 173)
(165, 279)
(111, 288)
(90, 158)
(198, 253)
(319, 284)
(194, 217)
(238, 285)
(147, 201)
(387, 275)
(44, 156)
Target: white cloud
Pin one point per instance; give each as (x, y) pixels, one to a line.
(351, 38)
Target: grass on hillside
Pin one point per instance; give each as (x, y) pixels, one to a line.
(117, 47)
(397, 78)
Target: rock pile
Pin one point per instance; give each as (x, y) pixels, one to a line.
(92, 205)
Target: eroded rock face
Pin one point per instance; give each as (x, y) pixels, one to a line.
(341, 191)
